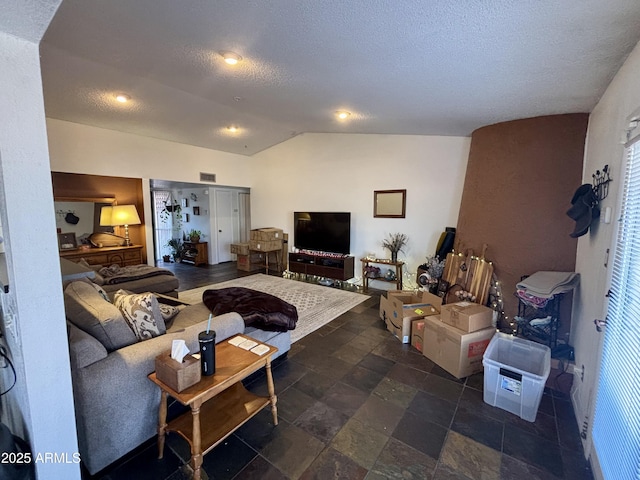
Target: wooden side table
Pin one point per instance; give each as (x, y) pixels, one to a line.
(231, 405)
(267, 253)
(365, 280)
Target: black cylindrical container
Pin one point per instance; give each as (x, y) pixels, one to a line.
(445, 244)
(207, 352)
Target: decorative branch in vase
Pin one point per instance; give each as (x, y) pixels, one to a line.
(395, 242)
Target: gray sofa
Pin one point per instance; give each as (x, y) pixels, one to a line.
(165, 282)
(116, 404)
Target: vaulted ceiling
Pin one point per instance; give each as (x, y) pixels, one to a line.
(436, 67)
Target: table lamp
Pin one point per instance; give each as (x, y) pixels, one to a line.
(120, 215)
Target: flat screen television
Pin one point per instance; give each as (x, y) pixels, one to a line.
(323, 231)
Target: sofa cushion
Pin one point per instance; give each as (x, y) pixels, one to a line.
(158, 284)
(87, 310)
(97, 279)
(84, 349)
(100, 290)
(142, 313)
(168, 313)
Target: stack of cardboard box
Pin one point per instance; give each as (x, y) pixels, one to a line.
(453, 336)
(247, 261)
(457, 338)
(400, 308)
(252, 256)
(266, 239)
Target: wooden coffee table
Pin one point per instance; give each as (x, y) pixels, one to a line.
(219, 402)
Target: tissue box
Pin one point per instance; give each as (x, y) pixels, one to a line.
(177, 376)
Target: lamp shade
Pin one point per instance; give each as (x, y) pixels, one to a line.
(105, 216)
(124, 215)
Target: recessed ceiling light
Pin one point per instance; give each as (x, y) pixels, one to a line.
(231, 58)
(232, 128)
(342, 114)
(123, 97)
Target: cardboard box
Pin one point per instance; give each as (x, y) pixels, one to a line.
(251, 263)
(265, 245)
(266, 234)
(177, 376)
(400, 307)
(467, 316)
(458, 352)
(240, 248)
(417, 334)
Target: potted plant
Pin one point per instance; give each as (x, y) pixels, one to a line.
(169, 210)
(194, 235)
(177, 248)
(395, 243)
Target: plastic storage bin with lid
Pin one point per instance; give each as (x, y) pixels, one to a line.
(515, 372)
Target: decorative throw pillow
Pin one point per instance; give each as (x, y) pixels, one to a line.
(168, 313)
(142, 313)
(89, 311)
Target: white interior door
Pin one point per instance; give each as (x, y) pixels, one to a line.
(224, 224)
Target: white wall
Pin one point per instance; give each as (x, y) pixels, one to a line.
(76, 148)
(339, 172)
(604, 146)
(40, 407)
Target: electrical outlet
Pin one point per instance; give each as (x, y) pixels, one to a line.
(579, 371)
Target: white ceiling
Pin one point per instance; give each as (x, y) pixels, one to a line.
(400, 66)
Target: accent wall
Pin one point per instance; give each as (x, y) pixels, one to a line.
(520, 180)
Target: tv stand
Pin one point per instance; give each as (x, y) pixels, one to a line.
(320, 264)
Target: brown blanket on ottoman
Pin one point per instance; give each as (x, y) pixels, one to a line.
(257, 309)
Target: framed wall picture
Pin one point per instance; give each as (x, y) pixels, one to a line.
(196, 210)
(389, 203)
(184, 203)
(185, 217)
(67, 241)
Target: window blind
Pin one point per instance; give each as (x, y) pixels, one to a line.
(616, 428)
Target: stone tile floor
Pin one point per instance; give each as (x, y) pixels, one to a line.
(355, 403)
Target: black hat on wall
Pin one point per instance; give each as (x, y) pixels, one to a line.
(584, 209)
(71, 218)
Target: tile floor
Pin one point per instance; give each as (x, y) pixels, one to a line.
(355, 403)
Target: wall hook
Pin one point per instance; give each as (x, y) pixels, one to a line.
(601, 181)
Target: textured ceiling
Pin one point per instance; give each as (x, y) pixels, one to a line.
(401, 67)
(27, 19)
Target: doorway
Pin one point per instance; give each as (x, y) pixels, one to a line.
(221, 214)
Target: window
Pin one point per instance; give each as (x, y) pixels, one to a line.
(164, 226)
(616, 428)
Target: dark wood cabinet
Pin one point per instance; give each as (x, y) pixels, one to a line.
(338, 267)
(106, 256)
(195, 253)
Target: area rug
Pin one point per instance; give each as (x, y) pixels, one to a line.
(316, 305)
